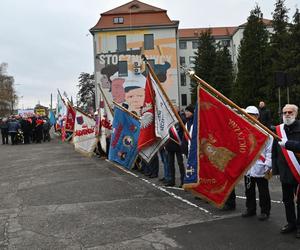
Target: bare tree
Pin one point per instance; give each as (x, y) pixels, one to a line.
(8, 96)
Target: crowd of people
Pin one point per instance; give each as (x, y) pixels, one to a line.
(25, 130)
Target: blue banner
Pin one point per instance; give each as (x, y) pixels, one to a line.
(52, 118)
(191, 170)
(123, 144)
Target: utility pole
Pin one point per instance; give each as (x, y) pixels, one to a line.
(51, 101)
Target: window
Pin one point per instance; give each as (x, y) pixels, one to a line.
(225, 43)
(183, 99)
(148, 41)
(191, 60)
(123, 68)
(195, 44)
(183, 79)
(182, 60)
(182, 44)
(118, 20)
(121, 43)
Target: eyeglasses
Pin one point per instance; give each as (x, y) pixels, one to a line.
(288, 112)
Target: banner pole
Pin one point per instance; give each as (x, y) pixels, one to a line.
(110, 108)
(166, 96)
(127, 111)
(231, 103)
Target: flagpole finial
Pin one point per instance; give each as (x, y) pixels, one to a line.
(191, 72)
(187, 71)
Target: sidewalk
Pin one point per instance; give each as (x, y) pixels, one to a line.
(51, 197)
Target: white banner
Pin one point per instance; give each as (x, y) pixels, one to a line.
(105, 120)
(164, 115)
(84, 138)
(26, 112)
(164, 120)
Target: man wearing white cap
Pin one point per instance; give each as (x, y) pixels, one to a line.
(256, 175)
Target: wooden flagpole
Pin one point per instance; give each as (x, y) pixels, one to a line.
(110, 108)
(83, 112)
(127, 111)
(166, 96)
(231, 103)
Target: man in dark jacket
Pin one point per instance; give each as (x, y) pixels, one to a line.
(13, 127)
(264, 115)
(4, 130)
(286, 164)
(173, 148)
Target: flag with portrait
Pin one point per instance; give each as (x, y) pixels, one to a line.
(224, 144)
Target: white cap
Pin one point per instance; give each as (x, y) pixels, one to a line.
(252, 110)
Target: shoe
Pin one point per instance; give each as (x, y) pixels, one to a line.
(162, 179)
(263, 216)
(180, 186)
(248, 214)
(153, 176)
(288, 228)
(298, 233)
(169, 184)
(227, 208)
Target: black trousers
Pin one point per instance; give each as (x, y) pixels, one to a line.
(171, 162)
(288, 195)
(13, 137)
(231, 199)
(263, 191)
(4, 135)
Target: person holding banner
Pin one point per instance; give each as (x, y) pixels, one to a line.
(286, 165)
(256, 175)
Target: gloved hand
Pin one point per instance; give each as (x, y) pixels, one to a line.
(282, 142)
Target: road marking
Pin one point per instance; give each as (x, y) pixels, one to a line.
(272, 201)
(164, 189)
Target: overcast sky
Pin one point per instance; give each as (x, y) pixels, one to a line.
(47, 44)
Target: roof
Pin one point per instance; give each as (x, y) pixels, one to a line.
(215, 31)
(134, 14)
(133, 7)
(267, 22)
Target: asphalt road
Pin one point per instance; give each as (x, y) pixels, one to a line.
(52, 197)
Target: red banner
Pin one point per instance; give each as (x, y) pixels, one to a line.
(70, 119)
(147, 130)
(227, 146)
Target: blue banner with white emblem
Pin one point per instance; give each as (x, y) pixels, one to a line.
(191, 169)
(123, 144)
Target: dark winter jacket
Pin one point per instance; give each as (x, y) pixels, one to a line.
(265, 117)
(279, 163)
(13, 126)
(4, 126)
(171, 145)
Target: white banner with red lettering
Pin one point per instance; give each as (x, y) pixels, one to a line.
(84, 138)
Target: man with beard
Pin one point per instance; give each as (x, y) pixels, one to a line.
(286, 164)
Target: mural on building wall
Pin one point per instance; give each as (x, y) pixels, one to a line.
(127, 86)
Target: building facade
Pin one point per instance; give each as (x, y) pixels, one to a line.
(120, 37)
(123, 34)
